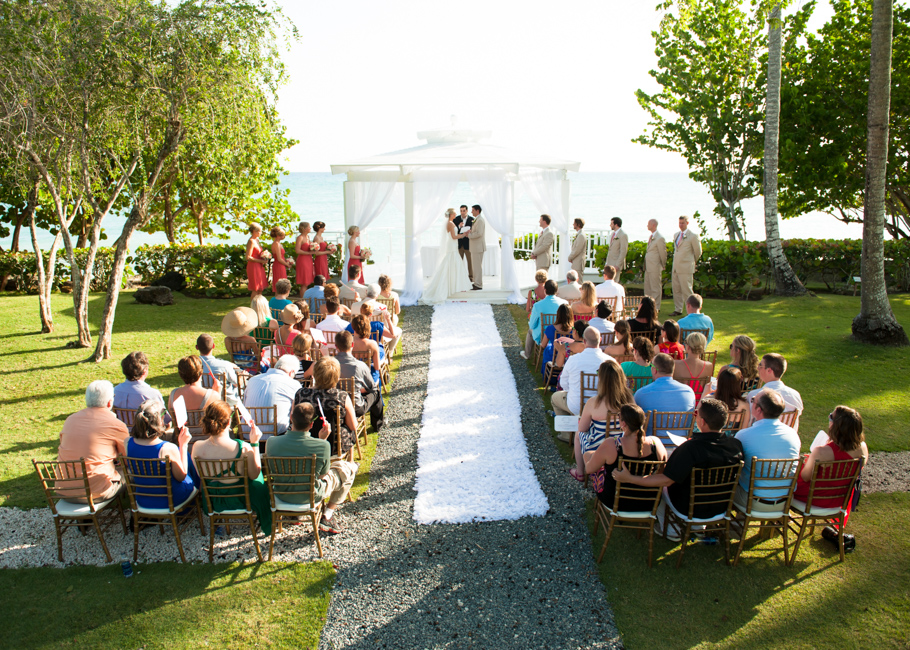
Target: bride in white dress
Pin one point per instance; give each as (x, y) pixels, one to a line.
(451, 275)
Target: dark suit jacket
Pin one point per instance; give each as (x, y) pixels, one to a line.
(463, 243)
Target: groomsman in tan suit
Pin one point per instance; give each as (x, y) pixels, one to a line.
(477, 247)
(541, 252)
(619, 244)
(655, 262)
(579, 248)
(687, 251)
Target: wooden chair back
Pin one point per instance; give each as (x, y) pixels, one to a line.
(363, 355)
(243, 378)
(631, 304)
(245, 355)
(585, 317)
(348, 385)
(266, 419)
(710, 356)
(588, 388)
(697, 384)
(276, 314)
(750, 384)
(316, 318)
(679, 423)
(127, 416)
(222, 480)
(545, 321)
(622, 358)
(684, 333)
(637, 382)
(713, 486)
(263, 332)
(651, 335)
(833, 481)
(736, 420)
(318, 304)
(194, 424)
(529, 303)
(292, 478)
(606, 338)
(348, 302)
(388, 302)
(208, 380)
(789, 418)
(615, 308)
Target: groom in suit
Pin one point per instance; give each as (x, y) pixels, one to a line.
(464, 220)
(477, 246)
(541, 252)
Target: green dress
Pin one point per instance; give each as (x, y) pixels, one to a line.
(632, 369)
(266, 341)
(259, 497)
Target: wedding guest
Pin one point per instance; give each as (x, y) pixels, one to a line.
(611, 291)
(332, 322)
(326, 397)
(317, 291)
(255, 261)
(665, 393)
(565, 321)
(601, 320)
(96, 435)
(360, 329)
(770, 370)
(385, 333)
(321, 256)
(219, 445)
(354, 289)
(275, 387)
(549, 305)
(291, 318)
(367, 395)
(305, 322)
(744, 359)
(695, 320)
(385, 290)
(729, 390)
(646, 319)
(305, 269)
(331, 291)
(264, 320)
(303, 349)
(612, 394)
(211, 364)
(354, 249)
(571, 290)
(585, 305)
(692, 366)
(134, 391)
(280, 300)
(563, 350)
(643, 354)
(147, 443)
(568, 400)
(669, 340)
(280, 264)
(237, 325)
(195, 396)
(622, 342)
(540, 277)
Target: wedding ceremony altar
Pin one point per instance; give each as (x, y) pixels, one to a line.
(430, 174)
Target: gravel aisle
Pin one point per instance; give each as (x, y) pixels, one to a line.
(529, 583)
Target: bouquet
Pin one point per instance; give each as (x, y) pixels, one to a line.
(314, 247)
(366, 253)
(332, 248)
(265, 255)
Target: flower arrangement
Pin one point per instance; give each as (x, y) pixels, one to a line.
(332, 248)
(265, 255)
(366, 253)
(314, 247)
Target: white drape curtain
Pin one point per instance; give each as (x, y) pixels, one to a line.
(432, 195)
(544, 187)
(494, 194)
(370, 198)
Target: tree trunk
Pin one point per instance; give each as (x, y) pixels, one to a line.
(45, 276)
(84, 339)
(169, 219)
(14, 247)
(785, 281)
(876, 322)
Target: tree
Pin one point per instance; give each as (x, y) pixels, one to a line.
(709, 108)
(824, 134)
(876, 322)
(785, 281)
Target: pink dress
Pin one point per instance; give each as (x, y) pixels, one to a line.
(321, 262)
(279, 271)
(255, 272)
(305, 270)
(356, 262)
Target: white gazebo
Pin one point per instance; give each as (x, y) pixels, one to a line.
(430, 174)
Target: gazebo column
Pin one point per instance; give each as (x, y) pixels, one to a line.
(348, 205)
(565, 245)
(504, 259)
(409, 233)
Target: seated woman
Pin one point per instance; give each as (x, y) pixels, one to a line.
(643, 353)
(331, 291)
(622, 344)
(601, 320)
(540, 277)
(303, 348)
(237, 325)
(692, 367)
(375, 326)
(744, 359)
(669, 340)
(326, 395)
(304, 307)
(263, 318)
(562, 327)
(612, 394)
(634, 445)
(585, 306)
(219, 445)
(362, 343)
(379, 313)
(646, 319)
(385, 290)
(563, 350)
(195, 397)
(728, 389)
(146, 442)
(845, 442)
(291, 318)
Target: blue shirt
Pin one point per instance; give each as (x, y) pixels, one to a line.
(768, 438)
(665, 394)
(277, 305)
(311, 294)
(546, 305)
(131, 394)
(697, 322)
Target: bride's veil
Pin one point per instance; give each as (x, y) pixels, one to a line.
(444, 240)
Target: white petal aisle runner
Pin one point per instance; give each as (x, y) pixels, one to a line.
(472, 460)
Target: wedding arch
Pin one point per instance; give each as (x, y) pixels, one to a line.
(430, 174)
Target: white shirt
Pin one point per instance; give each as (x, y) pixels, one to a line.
(602, 325)
(792, 399)
(273, 388)
(569, 291)
(332, 323)
(588, 360)
(609, 289)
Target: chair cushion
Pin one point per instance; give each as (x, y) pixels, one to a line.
(759, 514)
(696, 520)
(165, 511)
(69, 509)
(800, 506)
(230, 513)
(286, 506)
(630, 514)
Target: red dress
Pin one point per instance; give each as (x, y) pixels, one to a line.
(305, 271)
(279, 271)
(675, 350)
(255, 272)
(801, 493)
(355, 262)
(321, 262)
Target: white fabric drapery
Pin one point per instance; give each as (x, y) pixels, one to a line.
(432, 195)
(369, 200)
(494, 194)
(544, 187)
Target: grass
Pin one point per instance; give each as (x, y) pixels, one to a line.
(44, 382)
(167, 605)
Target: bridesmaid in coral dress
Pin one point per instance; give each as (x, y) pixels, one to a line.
(305, 270)
(354, 249)
(256, 280)
(279, 263)
(322, 257)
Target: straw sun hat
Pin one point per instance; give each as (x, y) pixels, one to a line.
(291, 315)
(239, 322)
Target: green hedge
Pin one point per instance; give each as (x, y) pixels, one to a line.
(22, 268)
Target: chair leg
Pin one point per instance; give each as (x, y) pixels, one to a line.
(608, 530)
(650, 542)
(783, 531)
(177, 536)
(107, 553)
(135, 536)
(120, 513)
(799, 538)
(255, 537)
(316, 532)
(275, 525)
(597, 507)
(727, 542)
(57, 527)
(199, 515)
(212, 539)
(742, 541)
(685, 540)
(840, 539)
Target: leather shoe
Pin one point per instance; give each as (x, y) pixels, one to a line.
(830, 534)
(676, 313)
(476, 289)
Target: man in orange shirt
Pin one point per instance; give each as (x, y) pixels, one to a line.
(96, 435)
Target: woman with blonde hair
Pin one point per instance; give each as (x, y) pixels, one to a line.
(691, 367)
(744, 358)
(326, 398)
(219, 445)
(385, 290)
(612, 393)
(256, 259)
(264, 319)
(540, 277)
(354, 250)
(585, 305)
(622, 344)
(302, 246)
(303, 349)
(280, 263)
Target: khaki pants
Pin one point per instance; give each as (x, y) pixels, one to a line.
(466, 255)
(475, 269)
(653, 287)
(116, 485)
(682, 289)
(560, 403)
(756, 505)
(339, 479)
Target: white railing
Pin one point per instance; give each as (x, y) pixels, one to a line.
(525, 244)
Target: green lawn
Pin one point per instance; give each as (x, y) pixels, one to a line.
(166, 605)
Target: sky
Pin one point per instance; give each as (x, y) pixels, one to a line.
(554, 78)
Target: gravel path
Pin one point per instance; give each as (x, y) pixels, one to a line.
(513, 584)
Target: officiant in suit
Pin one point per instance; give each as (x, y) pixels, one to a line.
(541, 253)
(477, 246)
(464, 220)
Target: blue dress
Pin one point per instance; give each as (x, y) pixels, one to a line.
(181, 490)
(591, 439)
(550, 332)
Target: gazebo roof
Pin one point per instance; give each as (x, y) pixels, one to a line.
(449, 148)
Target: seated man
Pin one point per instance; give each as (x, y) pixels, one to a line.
(664, 393)
(132, 392)
(770, 370)
(276, 387)
(601, 320)
(314, 292)
(571, 290)
(367, 397)
(695, 320)
(609, 289)
(280, 300)
(332, 321)
(334, 477)
(567, 401)
(213, 365)
(549, 304)
(353, 290)
(707, 448)
(768, 437)
(97, 436)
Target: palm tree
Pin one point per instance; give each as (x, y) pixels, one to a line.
(876, 322)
